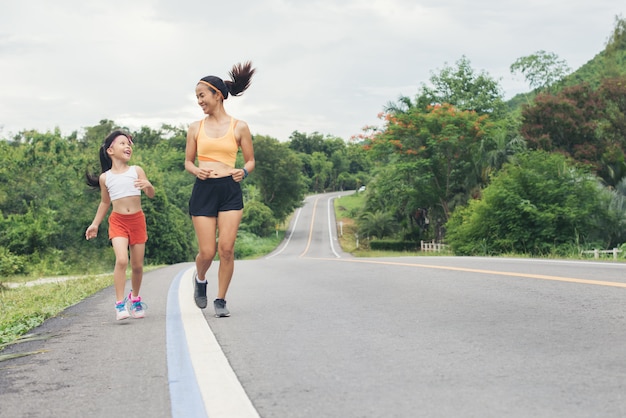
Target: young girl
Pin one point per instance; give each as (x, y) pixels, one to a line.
(216, 202)
(121, 184)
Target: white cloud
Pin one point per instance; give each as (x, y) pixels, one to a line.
(322, 65)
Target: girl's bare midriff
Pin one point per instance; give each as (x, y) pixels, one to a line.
(217, 168)
(127, 205)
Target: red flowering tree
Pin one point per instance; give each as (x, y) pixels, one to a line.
(585, 124)
(428, 159)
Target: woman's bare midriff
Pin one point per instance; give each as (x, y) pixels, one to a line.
(217, 168)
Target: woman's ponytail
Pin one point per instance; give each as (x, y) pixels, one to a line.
(240, 77)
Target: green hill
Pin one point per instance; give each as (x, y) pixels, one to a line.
(611, 62)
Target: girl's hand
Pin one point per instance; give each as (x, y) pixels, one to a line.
(142, 184)
(91, 232)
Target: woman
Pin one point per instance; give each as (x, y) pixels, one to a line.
(216, 202)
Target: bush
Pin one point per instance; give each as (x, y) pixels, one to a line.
(10, 263)
(258, 219)
(537, 205)
(249, 245)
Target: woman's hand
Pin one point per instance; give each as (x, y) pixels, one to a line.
(203, 173)
(238, 174)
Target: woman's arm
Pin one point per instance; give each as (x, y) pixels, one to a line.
(244, 138)
(192, 149)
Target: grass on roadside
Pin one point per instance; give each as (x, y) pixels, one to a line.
(23, 308)
(346, 210)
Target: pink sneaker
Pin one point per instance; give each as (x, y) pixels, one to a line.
(136, 306)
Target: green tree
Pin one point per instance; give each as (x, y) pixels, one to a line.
(306, 144)
(612, 130)
(609, 63)
(357, 159)
(278, 176)
(435, 148)
(94, 135)
(539, 204)
(397, 190)
(461, 87)
(258, 219)
(617, 39)
(44, 178)
(494, 151)
(322, 170)
(433, 153)
(31, 232)
(376, 224)
(170, 233)
(588, 125)
(542, 70)
(324, 160)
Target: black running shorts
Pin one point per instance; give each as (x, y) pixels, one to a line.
(211, 196)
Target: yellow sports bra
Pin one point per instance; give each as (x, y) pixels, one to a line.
(222, 149)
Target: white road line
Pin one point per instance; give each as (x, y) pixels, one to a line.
(331, 210)
(221, 391)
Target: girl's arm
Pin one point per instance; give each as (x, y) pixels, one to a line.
(143, 183)
(103, 208)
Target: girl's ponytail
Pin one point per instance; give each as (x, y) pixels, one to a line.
(106, 163)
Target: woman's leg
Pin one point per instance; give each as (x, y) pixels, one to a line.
(227, 224)
(137, 253)
(205, 228)
(120, 247)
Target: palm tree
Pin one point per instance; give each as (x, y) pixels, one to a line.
(377, 224)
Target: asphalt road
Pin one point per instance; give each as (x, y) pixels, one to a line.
(315, 332)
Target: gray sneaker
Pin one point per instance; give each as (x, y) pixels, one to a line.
(199, 293)
(220, 308)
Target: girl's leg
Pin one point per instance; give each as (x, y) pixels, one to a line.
(206, 235)
(227, 224)
(120, 247)
(137, 252)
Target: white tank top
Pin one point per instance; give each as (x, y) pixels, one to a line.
(123, 184)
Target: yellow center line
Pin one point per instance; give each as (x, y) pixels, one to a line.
(308, 244)
(494, 272)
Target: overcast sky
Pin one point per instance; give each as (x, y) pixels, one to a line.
(322, 66)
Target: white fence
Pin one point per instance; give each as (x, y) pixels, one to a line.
(433, 246)
(596, 253)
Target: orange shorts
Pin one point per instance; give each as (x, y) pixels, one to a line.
(132, 226)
